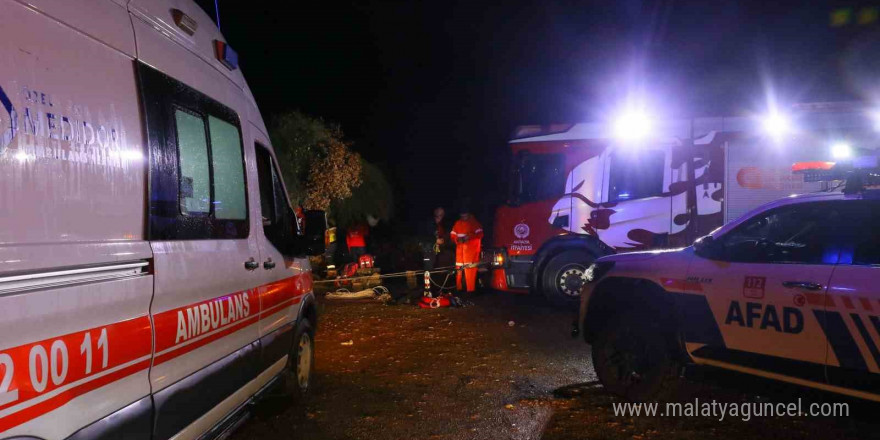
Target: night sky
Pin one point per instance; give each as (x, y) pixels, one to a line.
(432, 90)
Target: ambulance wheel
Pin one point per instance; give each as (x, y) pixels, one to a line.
(564, 276)
(634, 358)
(301, 361)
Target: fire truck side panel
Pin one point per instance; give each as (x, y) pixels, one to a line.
(75, 285)
(759, 172)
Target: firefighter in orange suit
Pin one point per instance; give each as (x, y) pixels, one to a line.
(467, 234)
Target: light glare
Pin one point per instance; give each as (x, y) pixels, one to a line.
(776, 125)
(632, 126)
(841, 150)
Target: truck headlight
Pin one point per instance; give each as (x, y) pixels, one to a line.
(494, 257)
(597, 270)
(590, 273)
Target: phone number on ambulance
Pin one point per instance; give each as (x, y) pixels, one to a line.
(32, 370)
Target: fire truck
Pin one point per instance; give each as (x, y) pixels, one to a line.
(581, 191)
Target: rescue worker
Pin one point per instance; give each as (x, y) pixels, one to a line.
(467, 234)
(435, 238)
(356, 239)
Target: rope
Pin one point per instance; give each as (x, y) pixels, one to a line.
(444, 286)
(405, 273)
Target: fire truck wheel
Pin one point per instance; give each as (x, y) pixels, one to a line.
(564, 276)
(633, 358)
(300, 362)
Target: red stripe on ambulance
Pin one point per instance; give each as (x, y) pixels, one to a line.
(177, 326)
(287, 290)
(39, 377)
(187, 328)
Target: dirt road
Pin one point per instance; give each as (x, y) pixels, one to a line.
(503, 367)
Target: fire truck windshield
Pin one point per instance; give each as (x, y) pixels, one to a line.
(538, 177)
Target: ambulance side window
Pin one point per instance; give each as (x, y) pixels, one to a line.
(278, 219)
(228, 166)
(197, 180)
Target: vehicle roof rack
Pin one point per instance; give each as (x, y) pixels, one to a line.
(861, 175)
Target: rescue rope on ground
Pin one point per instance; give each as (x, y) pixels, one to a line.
(448, 269)
(342, 293)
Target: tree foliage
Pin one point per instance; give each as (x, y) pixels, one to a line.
(373, 197)
(322, 172)
(333, 176)
(298, 140)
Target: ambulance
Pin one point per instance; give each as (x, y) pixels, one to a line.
(787, 292)
(153, 274)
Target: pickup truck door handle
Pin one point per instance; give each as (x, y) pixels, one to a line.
(269, 264)
(251, 264)
(806, 285)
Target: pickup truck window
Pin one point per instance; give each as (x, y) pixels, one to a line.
(800, 234)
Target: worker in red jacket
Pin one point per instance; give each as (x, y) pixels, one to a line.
(467, 234)
(356, 239)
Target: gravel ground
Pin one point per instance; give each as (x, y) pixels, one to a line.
(503, 367)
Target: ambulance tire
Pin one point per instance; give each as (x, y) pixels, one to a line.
(634, 357)
(300, 362)
(562, 277)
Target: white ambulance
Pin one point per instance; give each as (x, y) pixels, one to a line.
(787, 292)
(153, 279)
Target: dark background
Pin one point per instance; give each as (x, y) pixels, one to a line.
(432, 90)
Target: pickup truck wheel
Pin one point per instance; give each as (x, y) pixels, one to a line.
(633, 358)
(300, 361)
(564, 276)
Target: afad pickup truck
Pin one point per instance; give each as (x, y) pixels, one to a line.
(786, 292)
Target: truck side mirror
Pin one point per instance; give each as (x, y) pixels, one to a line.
(313, 233)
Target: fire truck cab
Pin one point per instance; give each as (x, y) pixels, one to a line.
(153, 275)
(578, 192)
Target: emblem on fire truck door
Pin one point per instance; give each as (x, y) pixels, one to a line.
(7, 121)
(521, 231)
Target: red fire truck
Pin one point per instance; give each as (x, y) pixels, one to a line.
(580, 191)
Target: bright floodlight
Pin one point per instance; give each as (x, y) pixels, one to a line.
(841, 150)
(776, 125)
(632, 126)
